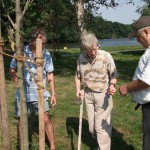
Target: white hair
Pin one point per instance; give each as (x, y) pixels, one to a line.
(87, 41)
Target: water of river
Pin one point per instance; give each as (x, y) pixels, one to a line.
(105, 42)
(118, 42)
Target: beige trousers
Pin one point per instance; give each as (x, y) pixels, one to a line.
(99, 110)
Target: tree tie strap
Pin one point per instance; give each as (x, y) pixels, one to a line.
(24, 58)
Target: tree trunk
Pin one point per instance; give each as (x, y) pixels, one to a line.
(79, 5)
(39, 54)
(3, 103)
(19, 52)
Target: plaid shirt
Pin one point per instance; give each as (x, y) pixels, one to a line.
(30, 86)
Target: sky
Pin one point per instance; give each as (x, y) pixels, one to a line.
(123, 13)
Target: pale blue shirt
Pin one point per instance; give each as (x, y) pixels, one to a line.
(30, 86)
(142, 73)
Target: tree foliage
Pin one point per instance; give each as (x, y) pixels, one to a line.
(145, 10)
(107, 29)
(58, 18)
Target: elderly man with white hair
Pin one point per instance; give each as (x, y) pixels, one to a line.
(96, 72)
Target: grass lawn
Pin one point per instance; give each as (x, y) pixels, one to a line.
(127, 125)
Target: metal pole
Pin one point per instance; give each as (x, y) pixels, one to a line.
(80, 121)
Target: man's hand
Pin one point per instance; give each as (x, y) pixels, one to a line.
(50, 78)
(79, 93)
(111, 89)
(123, 90)
(53, 100)
(15, 78)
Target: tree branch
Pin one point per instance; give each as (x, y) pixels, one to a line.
(106, 3)
(8, 16)
(11, 21)
(26, 7)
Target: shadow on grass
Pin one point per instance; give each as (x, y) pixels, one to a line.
(65, 66)
(126, 66)
(118, 142)
(72, 125)
(126, 69)
(135, 53)
(33, 130)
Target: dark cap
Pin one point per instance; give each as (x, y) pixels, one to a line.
(139, 24)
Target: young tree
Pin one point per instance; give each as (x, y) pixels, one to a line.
(17, 26)
(3, 100)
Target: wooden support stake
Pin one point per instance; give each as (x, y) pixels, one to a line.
(39, 56)
(3, 103)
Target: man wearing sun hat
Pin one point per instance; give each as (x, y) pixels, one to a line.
(139, 88)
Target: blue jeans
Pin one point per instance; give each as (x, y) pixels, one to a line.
(146, 126)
